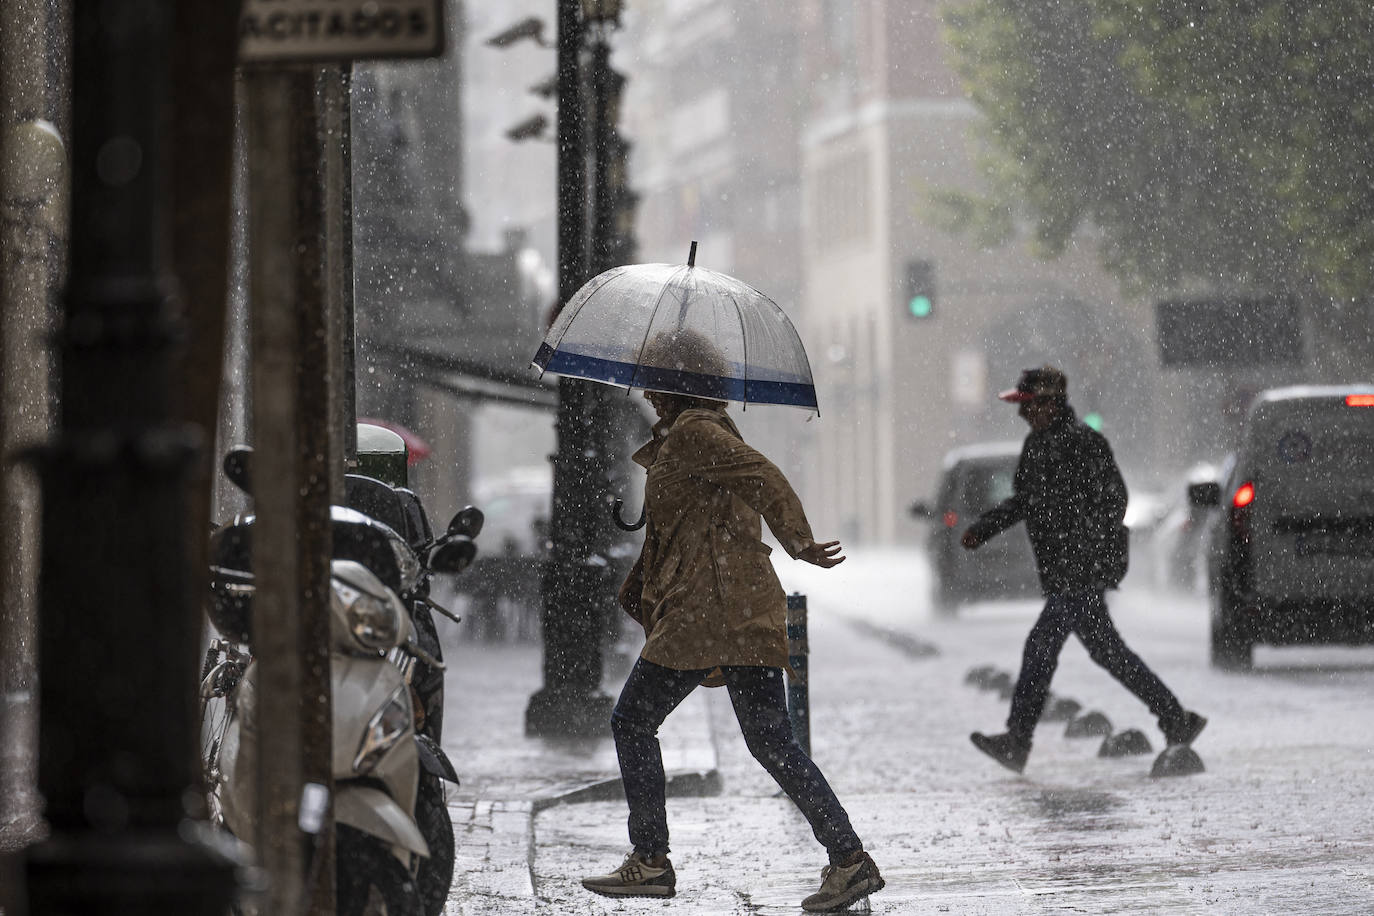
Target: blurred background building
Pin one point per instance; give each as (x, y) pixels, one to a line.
(802, 144)
(451, 291)
(806, 146)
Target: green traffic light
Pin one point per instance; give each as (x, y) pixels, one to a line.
(919, 307)
(1093, 420)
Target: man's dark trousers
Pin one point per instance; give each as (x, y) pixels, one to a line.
(1085, 615)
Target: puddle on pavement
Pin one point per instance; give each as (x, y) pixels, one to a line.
(1084, 809)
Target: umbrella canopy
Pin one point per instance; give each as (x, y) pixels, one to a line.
(681, 329)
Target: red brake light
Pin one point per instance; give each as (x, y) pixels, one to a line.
(1359, 400)
(1245, 495)
(951, 519)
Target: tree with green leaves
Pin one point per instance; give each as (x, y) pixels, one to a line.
(1208, 144)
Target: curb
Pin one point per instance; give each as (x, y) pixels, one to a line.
(903, 642)
(682, 784)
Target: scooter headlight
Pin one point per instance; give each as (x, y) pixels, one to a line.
(372, 620)
(386, 727)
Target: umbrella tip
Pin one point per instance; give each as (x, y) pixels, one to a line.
(692, 255)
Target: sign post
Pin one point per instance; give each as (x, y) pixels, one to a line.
(304, 31)
(299, 187)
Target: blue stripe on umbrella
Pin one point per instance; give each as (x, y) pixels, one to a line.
(615, 372)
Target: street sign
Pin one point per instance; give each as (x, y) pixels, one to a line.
(300, 31)
(1229, 331)
(968, 377)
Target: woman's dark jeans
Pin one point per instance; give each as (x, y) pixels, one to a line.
(757, 693)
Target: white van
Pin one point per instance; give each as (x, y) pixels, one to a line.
(1291, 553)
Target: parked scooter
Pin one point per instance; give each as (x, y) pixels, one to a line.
(451, 553)
(375, 762)
(395, 838)
(401, 510)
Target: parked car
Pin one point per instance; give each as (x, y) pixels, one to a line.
(973, 479)
(1291, 556)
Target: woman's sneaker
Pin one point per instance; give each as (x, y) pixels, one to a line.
(635, 878)
(841, 885)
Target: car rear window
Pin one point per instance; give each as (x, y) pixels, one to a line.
(985, 486)
(1315, 437)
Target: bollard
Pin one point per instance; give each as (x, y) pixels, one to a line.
(798, 697)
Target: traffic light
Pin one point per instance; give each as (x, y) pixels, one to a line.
(920, 289)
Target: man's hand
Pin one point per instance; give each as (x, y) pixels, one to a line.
(970, 540)
(821, 554)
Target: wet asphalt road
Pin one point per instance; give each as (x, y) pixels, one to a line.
(1281, 821)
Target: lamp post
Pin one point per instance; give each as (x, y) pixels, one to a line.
(612, 239)
(578, 588)
(578, 584)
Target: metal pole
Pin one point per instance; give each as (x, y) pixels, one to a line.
(33, 237)
(291, 473)
(576, 582)
(118, 630)
(319, 455)
(336, 141)
(603, 213)
(335, 138)
(798, 687)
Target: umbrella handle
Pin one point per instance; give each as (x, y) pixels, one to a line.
(621, 523)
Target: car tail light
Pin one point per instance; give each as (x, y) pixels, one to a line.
(1359, 400)
(951, 518)
(1241, 501)
(1240, 512)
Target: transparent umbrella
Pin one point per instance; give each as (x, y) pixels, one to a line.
(682, 329)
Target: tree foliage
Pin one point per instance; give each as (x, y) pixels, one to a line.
(1216, 142)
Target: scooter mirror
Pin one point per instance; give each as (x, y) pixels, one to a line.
(452, 556)
(238, 467)
(468, 522)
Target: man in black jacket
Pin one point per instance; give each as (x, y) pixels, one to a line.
(1069, 492)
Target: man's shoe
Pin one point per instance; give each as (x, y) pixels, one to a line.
(635, 878)
(1005, 748)
(1186, 730)
(841, 885)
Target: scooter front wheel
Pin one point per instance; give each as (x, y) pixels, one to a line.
(436, 871)
(370, 880)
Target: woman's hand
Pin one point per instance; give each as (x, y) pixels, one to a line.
(821, 554)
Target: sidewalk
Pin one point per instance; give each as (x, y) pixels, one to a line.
(507, 778)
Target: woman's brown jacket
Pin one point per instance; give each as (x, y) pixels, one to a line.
(704, 588)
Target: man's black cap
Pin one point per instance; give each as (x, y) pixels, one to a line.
(1044, 382)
